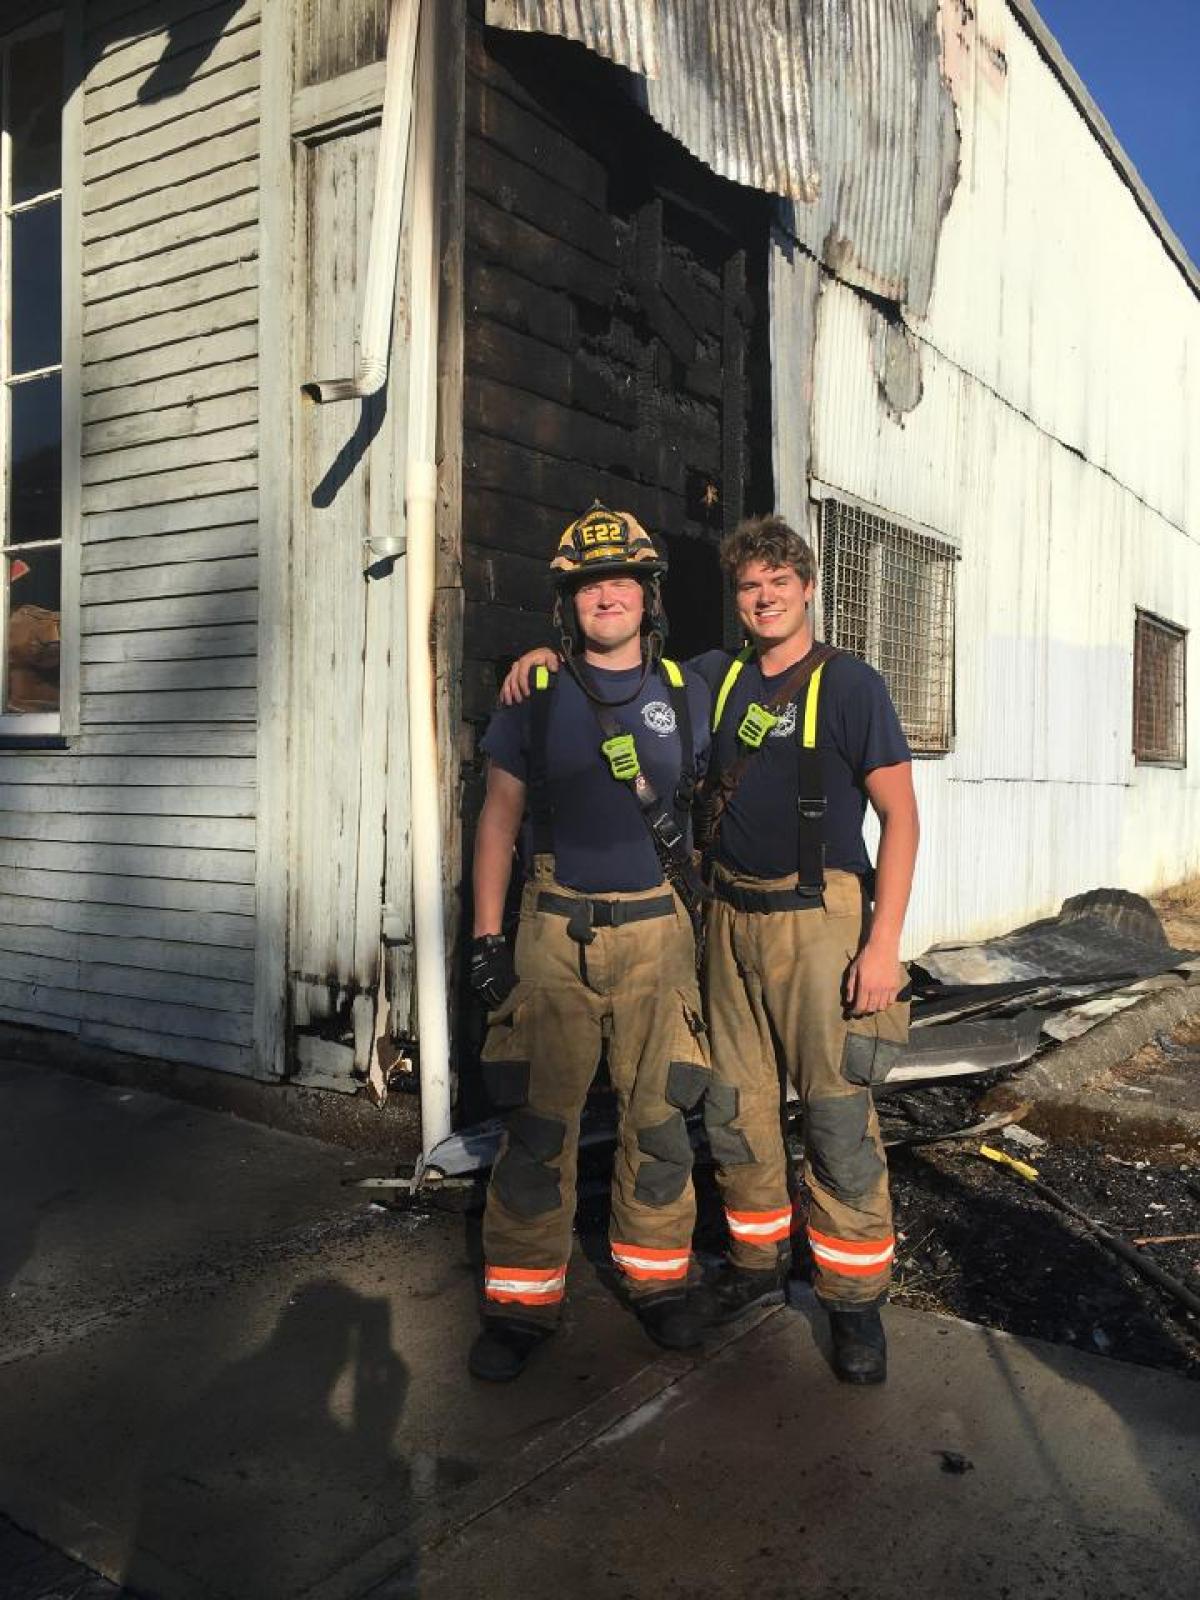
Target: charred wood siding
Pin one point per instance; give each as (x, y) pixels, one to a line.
(610, 341)
(127, 860)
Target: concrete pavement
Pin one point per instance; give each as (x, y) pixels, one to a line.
(222, 1374)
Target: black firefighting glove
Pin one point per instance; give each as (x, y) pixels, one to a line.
(492, 975)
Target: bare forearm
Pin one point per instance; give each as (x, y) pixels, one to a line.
(899, 836)
(493, 869)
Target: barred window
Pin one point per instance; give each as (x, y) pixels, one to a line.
(1159, 671)
(888, 596)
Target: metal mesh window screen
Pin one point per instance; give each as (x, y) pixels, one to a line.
(1159, 662)
(888, 594)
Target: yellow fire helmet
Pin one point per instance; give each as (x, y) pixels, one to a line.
(604, 542)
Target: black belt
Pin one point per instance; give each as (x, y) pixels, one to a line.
(765, 899)
(606, 913)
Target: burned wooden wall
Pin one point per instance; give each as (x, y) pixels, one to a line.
(615, 342)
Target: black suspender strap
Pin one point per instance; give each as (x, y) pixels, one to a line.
(810, 794)
(685, 789)
(541, 813)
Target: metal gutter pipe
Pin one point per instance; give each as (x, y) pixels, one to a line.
(420, 501)
(379, 294)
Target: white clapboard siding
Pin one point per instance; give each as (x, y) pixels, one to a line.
(135, 861)
(179, 195)
(206, 449)
(127, 860)
(120, 924)
(126, 801)
(194, 30)
(156, 582)
(186, 611)
(183, 645)
(114, 889)
(216, 833)
(201, 705)
(125, 769)
(154, 959)
(127, 166)
(121, 288)
(161, 183)
(200, 512)
(195, 739)
(222, 277)
(156, 677)
(198, 544)
(162, 396)
(234, 74)
(187, 227)
(76, 1004)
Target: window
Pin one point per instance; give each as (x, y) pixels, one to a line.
(1159, 671)
(31, 99)
(888, 596)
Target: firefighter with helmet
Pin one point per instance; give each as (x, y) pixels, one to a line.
(596, 771)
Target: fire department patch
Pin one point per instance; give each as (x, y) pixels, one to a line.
(659, 717)
(786, 726)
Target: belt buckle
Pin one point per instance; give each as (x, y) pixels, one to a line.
(811, 810)
(667, 831)
(579, 924)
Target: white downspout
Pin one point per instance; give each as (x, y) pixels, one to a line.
(379, 294)
(421, 497)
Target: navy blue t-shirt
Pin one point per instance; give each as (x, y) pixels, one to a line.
(601, 843)
(857, 731)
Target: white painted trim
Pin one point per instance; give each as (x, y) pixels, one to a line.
(341, 105)
(277, 402)
(825, 491)
(72, 367)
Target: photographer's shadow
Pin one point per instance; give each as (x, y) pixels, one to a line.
(284, 1466)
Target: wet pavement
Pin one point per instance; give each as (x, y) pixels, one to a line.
(224, 1374)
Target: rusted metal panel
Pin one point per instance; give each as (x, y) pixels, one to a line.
(838, 106)
(729, 81)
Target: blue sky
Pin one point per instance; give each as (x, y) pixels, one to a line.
(1141, 62)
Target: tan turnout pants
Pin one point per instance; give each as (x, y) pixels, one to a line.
(634, 986)
(774, 987)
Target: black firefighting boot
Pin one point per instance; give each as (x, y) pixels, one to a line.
(502, 1350)
(859, 1344)
(733, 1290)
(670, 1321)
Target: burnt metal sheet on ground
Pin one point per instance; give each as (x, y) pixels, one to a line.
(959, 1049)
(1106, 935)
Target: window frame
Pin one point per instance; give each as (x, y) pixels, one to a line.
(1178, 635)
(41, 729)
(825, 496)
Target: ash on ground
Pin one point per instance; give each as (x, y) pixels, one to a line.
(975, 1241)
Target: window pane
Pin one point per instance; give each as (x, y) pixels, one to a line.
(34, 584)
(35, 115)
(35, 500)
(37, 287)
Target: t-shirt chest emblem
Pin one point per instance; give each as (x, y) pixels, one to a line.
(659, 717)
(785, 727)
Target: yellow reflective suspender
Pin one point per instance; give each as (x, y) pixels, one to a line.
(731, 677)
(811, 697)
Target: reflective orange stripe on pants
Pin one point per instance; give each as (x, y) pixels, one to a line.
(852, 1258)
(760, 1227)
(528, 1286)
(648, 1265)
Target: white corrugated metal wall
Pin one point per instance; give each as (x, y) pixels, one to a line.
(1060, 364)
